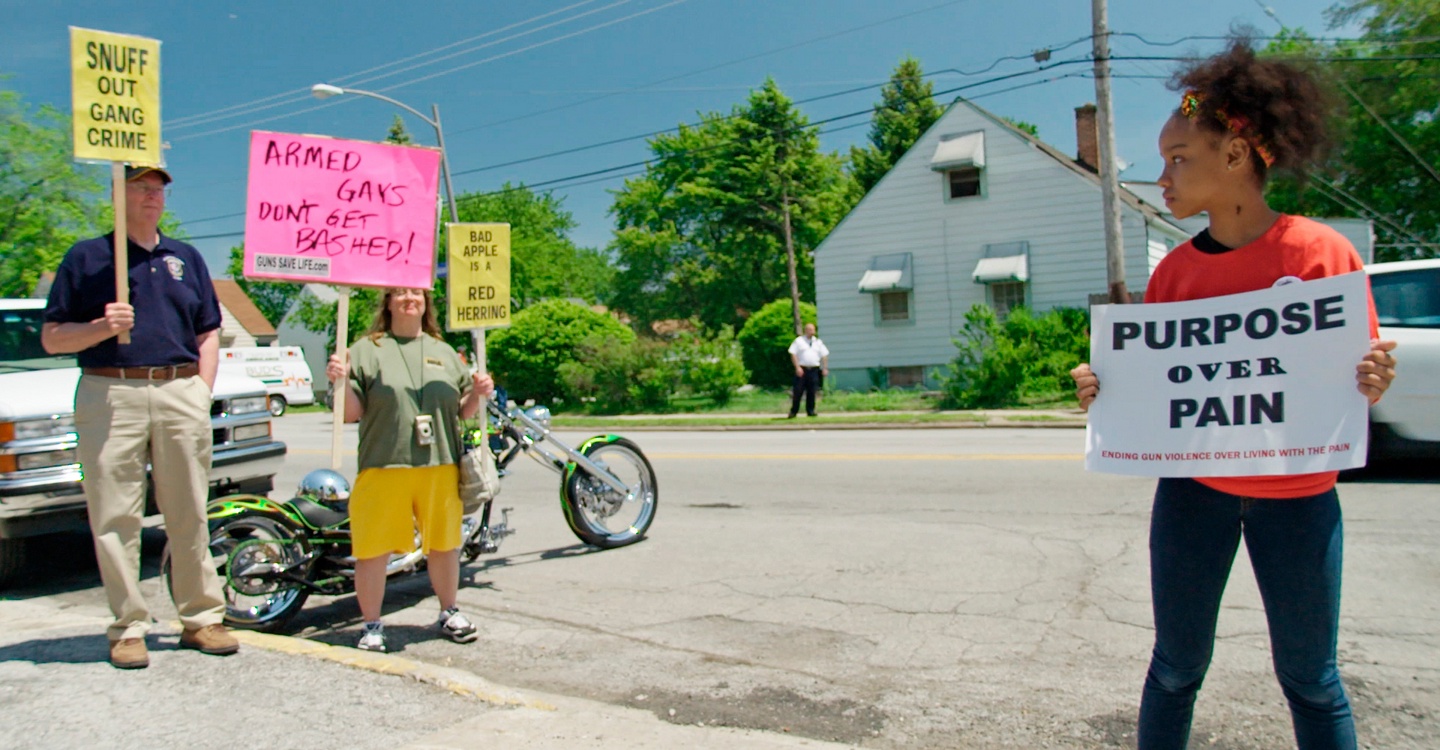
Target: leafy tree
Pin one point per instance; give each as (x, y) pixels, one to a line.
(1028, 127)
(620, 373)
(398, 135)
(274, 298)
(711, 366)
(47, 201)
(544, 262)
(526, 357)
(703, 232)
(765, 343)
(907, 108)
(1399, 190)
(1000, 363)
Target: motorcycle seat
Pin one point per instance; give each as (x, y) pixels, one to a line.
(317, 514)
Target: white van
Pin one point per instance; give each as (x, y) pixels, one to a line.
(282, 369)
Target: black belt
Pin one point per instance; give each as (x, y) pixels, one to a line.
(160, 372)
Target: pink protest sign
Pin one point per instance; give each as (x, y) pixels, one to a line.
(336, 211)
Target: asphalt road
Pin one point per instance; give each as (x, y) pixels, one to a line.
(966, 588)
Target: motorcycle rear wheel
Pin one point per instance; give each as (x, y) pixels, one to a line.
(600, 516)
(246, 540)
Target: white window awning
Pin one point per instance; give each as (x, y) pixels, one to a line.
(888, 273)
(959, 150)
(1006, 268)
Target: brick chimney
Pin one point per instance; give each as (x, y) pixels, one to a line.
(1087, 138)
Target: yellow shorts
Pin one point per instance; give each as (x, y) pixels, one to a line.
(387, 505)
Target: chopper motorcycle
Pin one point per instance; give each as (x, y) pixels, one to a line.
(271, 556)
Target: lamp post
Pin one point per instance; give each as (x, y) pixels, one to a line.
(325, 91)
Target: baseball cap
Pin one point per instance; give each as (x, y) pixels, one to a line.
(133, 172)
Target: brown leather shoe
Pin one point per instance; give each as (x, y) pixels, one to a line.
(211, 639)
(129, 653)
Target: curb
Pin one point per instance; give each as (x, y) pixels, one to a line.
(456, 681)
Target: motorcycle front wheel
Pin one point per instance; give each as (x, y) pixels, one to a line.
(599, 515)
(254, 543)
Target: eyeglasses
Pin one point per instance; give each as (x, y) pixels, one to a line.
(149, 189)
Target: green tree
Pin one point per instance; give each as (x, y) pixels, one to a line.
(703, 232)
(526, 357)
(1385, 168)
(544, 262)
(274, 298)
(907, 108)
(47, 201)
(398, 135)
(765, 343)
(1001, 363)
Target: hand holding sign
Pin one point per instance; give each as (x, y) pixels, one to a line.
(341, 212)
(1243, 385)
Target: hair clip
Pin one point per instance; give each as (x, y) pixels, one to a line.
(1190, 107)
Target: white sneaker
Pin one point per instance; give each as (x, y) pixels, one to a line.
(456, 626)
(372, 639)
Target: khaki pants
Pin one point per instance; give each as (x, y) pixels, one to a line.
(123, 424)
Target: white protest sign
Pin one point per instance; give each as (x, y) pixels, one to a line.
(1260, 383)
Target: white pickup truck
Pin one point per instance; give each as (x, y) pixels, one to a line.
(1406, 423)
(39, 471)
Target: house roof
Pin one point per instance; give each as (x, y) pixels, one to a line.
(1125, 196)
(242, 307)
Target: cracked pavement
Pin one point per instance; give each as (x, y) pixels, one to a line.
(921, 589)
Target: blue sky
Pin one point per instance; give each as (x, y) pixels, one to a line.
(516, 80)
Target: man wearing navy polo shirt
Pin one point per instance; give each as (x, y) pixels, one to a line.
(148, 400)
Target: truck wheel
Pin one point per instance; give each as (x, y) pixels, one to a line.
(12, 560)
(277, 405)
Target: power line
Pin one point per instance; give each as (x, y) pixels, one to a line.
(824, 37)
(402, 84)
(190, 120)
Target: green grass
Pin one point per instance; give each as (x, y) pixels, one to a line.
(305, 409)
(778, 402)
(721, 420)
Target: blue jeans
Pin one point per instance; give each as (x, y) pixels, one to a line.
(1295, 549)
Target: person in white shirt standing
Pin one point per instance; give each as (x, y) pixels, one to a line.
(812, 362)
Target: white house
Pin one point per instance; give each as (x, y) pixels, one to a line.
(976, 212)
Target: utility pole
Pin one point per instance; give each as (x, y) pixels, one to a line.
(1109, 176)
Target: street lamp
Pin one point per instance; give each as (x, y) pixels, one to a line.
(325, 91)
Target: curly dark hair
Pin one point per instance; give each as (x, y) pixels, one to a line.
(1287, 108)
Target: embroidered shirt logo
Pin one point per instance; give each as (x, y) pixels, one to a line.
(176, 267)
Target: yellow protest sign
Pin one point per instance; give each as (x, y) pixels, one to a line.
(115, 89)
(478, 286)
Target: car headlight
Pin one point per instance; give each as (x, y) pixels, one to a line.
(46, 459)
(250, 432)
(37, 428)
(248, 404)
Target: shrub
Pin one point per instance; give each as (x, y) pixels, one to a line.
(526, 357)
(1026, 356)
(619, 374)
(711, 366)
(765, 343)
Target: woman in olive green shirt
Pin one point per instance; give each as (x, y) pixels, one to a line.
(408, 390)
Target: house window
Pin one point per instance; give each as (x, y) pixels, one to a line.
(906, 377)
(1006, 296)
(894, 306)
(963, 182)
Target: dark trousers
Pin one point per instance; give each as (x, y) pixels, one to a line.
(807, 384)
(1295, 551)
